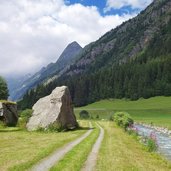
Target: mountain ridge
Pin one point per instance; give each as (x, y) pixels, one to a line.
(64, 59)
(112, 66)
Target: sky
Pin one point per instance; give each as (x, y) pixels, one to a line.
(33, 33)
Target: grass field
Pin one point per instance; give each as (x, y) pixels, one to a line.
(20, 149)
(121, 152)
(156, 110)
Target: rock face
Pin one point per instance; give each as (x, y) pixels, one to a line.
(57, 107)
(8, 113)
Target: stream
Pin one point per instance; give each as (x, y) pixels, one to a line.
(163, 140)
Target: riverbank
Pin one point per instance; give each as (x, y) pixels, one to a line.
(120, 151)
(162, 138)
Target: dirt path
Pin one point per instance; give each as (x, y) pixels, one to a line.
(48, 162)
(92, 158)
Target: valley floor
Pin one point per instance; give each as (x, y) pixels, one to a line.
(119, 151)
(156, 110)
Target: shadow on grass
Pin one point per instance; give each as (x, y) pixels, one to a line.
(84, 128)
(10, 129)
(79, 128)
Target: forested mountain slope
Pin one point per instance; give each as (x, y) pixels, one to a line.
(132, 61)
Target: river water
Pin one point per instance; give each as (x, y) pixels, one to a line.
(163, 140)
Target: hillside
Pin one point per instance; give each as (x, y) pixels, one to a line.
(156, 103)
(19, 88)
(131, 61)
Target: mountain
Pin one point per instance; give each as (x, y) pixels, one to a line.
(18, 88)
(130, 61)
(14, 83)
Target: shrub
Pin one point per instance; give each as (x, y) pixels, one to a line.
(84, 114)
(2, 125)
(97, 117)
(26, 113)
(151, 145)
(24, 117)
(3, 89)
(152, 142)
(111, 118)
(91, 117)
(132, 131)
(55, 127)
(123, 119)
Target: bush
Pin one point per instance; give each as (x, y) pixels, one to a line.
(91, 117)
(84, 114)
(2, 125)
(3, 89)
(123, 119)
(97, 117)
(151, 145)
(111, 118)
(55, 127)
(26, 113)
(24, 117)
(152, 142)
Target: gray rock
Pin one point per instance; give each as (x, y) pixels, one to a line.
(57, 107)
(8, 113)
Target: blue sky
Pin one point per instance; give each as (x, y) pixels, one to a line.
(100, 4)
(129, 7)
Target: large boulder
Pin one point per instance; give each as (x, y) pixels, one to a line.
(8, 113)
(55, 108)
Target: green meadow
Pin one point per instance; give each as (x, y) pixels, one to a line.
(21, 149)
(156, 110)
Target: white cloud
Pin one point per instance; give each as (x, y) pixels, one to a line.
(33, 33)
(117, 4)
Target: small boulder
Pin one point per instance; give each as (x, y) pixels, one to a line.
(57, 107)
(8, 113)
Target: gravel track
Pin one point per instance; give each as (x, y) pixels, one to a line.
(92, 158)
(48, 162)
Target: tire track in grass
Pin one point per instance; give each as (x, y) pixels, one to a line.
(92, 158)
(74, 159)
(51, 160)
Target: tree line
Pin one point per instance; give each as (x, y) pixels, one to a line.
(3, 89)
(133, 80)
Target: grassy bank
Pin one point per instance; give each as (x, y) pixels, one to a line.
(74, 160)
(156, 110)
(123, 104)
(21, 149)
(120, 151)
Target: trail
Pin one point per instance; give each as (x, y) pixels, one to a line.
(92, 158)
(48, 162)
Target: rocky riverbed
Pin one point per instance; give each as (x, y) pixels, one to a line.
(159, 129)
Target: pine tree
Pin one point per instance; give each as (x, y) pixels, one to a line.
(3, 89)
